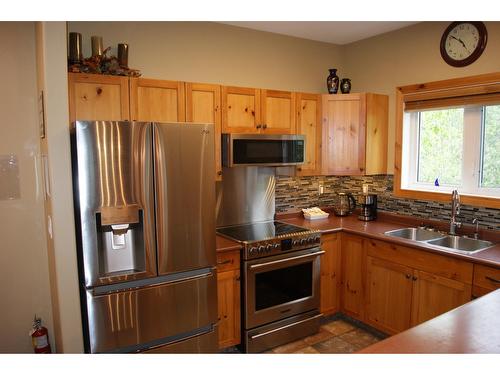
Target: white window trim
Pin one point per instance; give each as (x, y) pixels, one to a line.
(471, 157)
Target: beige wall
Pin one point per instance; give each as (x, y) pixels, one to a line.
(214, 53)
(407, 56)
(24, 276)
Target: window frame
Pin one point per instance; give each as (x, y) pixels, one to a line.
(452, 91)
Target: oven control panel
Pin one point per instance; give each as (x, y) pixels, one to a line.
(282, 244)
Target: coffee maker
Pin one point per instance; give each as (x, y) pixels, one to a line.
(368, 204)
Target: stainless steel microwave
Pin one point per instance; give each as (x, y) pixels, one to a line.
(262, 149)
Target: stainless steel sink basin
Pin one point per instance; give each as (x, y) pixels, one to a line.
(415, 234)
(462, 244)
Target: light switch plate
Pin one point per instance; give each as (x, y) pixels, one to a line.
(9, 178)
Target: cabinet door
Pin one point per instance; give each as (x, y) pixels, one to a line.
(157, 100)
(388, 295)
(240, 110)
(98, 97)
(203, 105)
(353, 271)
(344, 134)
(278, 112)
(309, 124)
(228, 295)
(434, 295)
(486, 279)
(330, 274)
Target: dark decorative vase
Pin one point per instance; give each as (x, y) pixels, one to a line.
(345, 86)
(332, 82)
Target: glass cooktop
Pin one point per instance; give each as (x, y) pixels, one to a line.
(259, 231)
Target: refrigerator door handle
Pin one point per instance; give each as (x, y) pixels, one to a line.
(162, 280)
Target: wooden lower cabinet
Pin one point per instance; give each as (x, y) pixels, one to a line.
(434, 295)
(389, 295)
(353, 275)
(228, 299)
(330, 274)
(486, 279)
(400, 294)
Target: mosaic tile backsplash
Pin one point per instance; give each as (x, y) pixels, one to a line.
(295, 193)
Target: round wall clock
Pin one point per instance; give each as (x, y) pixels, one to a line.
(463, 42)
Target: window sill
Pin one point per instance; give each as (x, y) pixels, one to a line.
(473, 200)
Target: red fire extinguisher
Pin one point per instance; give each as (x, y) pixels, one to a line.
(40, 337)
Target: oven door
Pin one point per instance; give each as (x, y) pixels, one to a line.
(281, 286)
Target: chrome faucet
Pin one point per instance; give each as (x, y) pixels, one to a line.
(455, 210)
(476, 232)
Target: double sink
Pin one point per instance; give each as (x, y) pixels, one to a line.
(442, 240)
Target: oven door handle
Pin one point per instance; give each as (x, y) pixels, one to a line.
(260, 265)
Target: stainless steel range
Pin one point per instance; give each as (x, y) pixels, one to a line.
(281, 280)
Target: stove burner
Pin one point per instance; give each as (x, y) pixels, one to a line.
(259, 231)
(270, 237)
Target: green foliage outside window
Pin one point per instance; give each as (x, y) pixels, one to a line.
(441, 146)
(491, 147)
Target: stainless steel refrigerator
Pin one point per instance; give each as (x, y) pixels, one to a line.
(145, 217)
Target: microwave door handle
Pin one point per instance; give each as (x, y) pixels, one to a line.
(260, 265)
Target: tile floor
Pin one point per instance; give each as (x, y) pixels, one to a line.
(338, 336)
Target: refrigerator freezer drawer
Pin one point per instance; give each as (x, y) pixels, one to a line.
(150, 314)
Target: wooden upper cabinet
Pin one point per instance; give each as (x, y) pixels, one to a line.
(278, 112)
(434, 295)
(240, 109)
(330, 274)
(388, 296)
(98, 97)
(203, 104)
(354, 134)
(249, 110)
(157, 100)
(308, 111)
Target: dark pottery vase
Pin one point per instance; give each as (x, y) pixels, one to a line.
(345, 85)
(332, 82)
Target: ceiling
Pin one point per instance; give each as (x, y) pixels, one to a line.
(336, 32)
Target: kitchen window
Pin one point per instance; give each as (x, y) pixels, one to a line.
(448, 137)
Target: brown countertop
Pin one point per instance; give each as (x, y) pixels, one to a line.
(470, 328)
(376, 228)
(225, 244)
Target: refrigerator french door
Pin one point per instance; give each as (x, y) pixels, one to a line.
(145, 223)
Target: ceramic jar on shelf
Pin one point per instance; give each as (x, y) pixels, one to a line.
(332, 82)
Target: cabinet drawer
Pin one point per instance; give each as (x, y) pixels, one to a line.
(486, 277)
(229, 260)
(439, 265)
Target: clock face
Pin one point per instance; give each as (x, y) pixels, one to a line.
(463, 42)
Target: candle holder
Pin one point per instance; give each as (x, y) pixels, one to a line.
(123, 55)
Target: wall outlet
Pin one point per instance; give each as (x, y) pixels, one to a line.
(321, 189)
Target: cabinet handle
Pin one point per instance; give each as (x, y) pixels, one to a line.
(259, 126)
(264, 126)
(227, 261)
(219, 173)
(496, 281)
(408, 275)
(414, 278)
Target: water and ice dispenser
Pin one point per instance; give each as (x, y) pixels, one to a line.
(120, 241)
